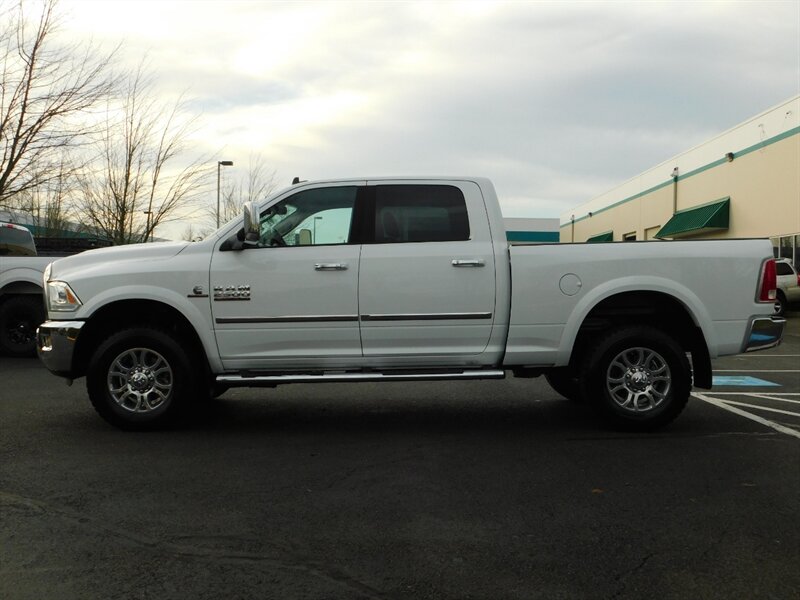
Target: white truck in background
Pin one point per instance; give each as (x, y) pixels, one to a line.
(21, 300)
(21, 293)
(398, 279)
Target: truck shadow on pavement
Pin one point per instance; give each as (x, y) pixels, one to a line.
(320, 416)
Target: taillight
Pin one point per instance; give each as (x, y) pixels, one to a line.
(769, 282)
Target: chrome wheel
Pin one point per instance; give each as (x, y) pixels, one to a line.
(140, 380)
(638, 380)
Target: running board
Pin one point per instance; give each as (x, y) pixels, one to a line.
(254, 380)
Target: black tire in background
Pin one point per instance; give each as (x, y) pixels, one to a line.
(638, 378)
(140, 378)
(20, 315)
(780, 304)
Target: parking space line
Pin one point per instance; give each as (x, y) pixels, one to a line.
(750, 394)
(762, 355)
(759, 407)
(756, 370)
(772, 397)
(723, 405)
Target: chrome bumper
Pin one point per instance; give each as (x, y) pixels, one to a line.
(55, 344)
(763, 333)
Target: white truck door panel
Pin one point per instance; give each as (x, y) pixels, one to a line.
(427, 298)
(294, 304)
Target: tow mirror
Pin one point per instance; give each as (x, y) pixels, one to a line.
(252, 229)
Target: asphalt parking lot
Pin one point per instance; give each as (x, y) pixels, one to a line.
(425, 490)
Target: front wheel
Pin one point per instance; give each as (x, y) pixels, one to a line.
(638, 377)
(139, 379)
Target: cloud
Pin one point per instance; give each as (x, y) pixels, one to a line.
(557, 102)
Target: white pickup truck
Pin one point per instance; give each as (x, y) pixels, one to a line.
(401, 279)
(21, 307)
(22, 264)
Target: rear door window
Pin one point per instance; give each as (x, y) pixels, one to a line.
(419, 213)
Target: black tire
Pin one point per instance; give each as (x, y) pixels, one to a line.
(638, 378)
(140, 378)
(780, 304)
(565, 382)
(19, 318)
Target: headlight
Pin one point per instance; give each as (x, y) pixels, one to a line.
(60, 297)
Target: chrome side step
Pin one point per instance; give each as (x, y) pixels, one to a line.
(254, 380)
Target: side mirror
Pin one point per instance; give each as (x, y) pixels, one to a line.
(252, 230)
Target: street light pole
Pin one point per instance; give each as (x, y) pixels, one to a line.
(314, 237)
(221, 163)
(147, 232)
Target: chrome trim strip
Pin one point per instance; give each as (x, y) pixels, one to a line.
(239, 380)
(427, 316)
(301, 319)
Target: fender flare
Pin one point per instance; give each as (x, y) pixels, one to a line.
(183, 305)
(688, 299)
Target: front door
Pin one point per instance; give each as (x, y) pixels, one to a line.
(292, 302)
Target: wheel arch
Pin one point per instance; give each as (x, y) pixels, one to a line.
(137, 312)
(657, 308)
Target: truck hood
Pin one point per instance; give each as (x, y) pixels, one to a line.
(64, 267)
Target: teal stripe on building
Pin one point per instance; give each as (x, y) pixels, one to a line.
(532, 236)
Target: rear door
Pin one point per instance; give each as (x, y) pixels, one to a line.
(427, 275)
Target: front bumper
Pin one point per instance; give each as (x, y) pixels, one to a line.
(763, 333)
(55, 343)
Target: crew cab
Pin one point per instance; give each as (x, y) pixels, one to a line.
(401, 279)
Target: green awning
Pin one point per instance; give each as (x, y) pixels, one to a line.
(714, 216)
(608, 236)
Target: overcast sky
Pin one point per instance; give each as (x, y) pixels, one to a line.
(557, 102)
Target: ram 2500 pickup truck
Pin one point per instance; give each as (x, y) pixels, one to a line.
(401, 279)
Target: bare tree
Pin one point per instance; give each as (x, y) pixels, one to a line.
(256, 183)
(137, 186)
(45, 91)
(51, 204)
(194, 233)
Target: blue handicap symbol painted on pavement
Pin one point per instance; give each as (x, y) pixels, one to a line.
(742, 380)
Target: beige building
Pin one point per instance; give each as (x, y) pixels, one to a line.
(743, 183)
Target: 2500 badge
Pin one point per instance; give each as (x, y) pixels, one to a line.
(232, 292)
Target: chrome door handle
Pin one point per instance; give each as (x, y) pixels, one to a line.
(467, 263)
(330, 267)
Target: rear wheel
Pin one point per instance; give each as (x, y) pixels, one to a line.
(140, 379)
(19, 318)
(638, 377)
